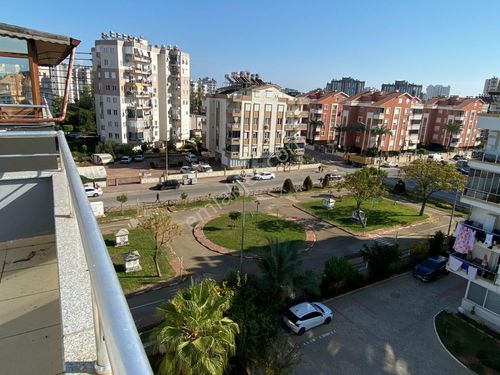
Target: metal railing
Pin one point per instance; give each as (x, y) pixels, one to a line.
(119, 348)
(488, 157)
(483, 272)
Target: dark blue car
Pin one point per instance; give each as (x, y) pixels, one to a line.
(431, 269)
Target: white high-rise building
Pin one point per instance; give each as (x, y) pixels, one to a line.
(433, 91)
(491, 84)
(477, 244)
(141, 90)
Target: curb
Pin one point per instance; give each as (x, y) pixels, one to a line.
(366, 287)
(157, 286)
(444, 347)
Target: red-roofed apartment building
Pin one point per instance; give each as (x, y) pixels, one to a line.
(325, 112)
(440, 111)
(398, 112)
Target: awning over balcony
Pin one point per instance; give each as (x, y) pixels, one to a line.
(51, 49)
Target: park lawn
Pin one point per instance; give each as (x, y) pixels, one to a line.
(467, 341)
(117, 215)
(142, 241)
(380, 214)
(213, 201)
(259, 230)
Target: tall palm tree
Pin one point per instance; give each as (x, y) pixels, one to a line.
(381, 131)
(195, 336)
(313, 124)
(281, 271)
(351, 128)
(452, 128)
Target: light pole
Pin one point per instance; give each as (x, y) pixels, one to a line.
(242, 227)
(166, 160)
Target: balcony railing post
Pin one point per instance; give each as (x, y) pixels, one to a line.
(102, 365)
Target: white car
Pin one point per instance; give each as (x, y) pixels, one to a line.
(126, 159)
(264, 176)
(307, 315)
(389, 164)
(139, 157)
(186, 170)
(92, 191)
(191, 158)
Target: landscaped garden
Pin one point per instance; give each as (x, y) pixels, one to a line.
(225, 231)
(380, 213)
(142, 241)
(473, 344)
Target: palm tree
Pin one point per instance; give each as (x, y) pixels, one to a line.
(313, 124)
(281, 271)
(195, 336)
(356, 127)
(452, 128)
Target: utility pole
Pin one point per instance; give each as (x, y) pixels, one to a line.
(166, 160)
(453, 211)
(242, 227)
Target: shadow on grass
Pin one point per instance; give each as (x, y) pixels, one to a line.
(270, 225)
(211, 228)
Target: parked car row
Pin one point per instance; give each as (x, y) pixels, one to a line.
(128, 159)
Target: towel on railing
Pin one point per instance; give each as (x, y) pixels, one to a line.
(471, 273)
(454, 263)
(488, 241)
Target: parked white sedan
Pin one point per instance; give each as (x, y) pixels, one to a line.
(307, 315)
(92, 191)
(264, 176)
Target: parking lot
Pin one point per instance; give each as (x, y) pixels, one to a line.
(384, 329)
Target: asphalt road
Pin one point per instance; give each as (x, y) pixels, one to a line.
(384, 329)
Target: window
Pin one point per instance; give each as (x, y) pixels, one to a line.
(106, 62)
(281, 107)
(15, 87)
(106, 74)
(115, 112)
(438, 120)
(266, 135)
(248, 107)
(117, 135)
(256, 107)
(108, 99)
(114, 99)
(476, 293)
(406, 111)
(493, 302)
(110, 135)
(269, 107)
(397, 111)
(108, 111)
(387, 110)
(269, 93)
(325, 106)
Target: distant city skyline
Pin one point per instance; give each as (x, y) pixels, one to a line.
(221, 38)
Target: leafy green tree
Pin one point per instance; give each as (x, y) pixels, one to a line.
(281, 272)
(122, 198)
(163, 230)
(68, 128)
(184, 195)
(380, 132)
(452, 128)
(364, 184)
(381, 259)
(234, 216)
(84, 149)
(195, 335)
(196, 103)
(430, 177)
(281, 356)
(326, 181)
(106, 147)
(288, 186)
(308, 184)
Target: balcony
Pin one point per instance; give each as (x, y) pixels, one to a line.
(62, 309)
(298, 139)
(234, 126)
(416, 116)
(378, 116)
(486, 276)
(134, 57)
(232, 154)
(232, 141)
(240, 98)
(315, 111)
(234, 111)
(295, 127)
(138, 94)
(139, 71)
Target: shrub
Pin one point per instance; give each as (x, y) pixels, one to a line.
(400, 187)
(382, 260)
(437, 243)
(326, 181)
(235, 192)
(184, 195)
(156, 150)
(288, 186)
(338, 269)
(419, 252)
(308, 184)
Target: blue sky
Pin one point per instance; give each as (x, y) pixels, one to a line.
(299, 44)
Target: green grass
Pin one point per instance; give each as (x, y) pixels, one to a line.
(140, 240)
(259, 229)
(117, 215)
(205, 202)
(380, 214)
(436, 203)
(470, 345)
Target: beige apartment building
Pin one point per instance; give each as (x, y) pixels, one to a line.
(141, 90)
(247, 124)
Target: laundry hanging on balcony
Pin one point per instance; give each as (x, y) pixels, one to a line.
(471, 273)
(464, 240)
(454, 263)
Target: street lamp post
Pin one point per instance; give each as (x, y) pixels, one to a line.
(242, 227)
(166, 160)
(453, 211)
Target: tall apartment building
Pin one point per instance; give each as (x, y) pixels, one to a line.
(348, 85)
(403, 86)
(491, 85)
(205, 85)
(248, 123)
(53, 79)
(477, 260)
(433, 91)
(141, 90)
(325, 111)
(440, 111)
(399, 112)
